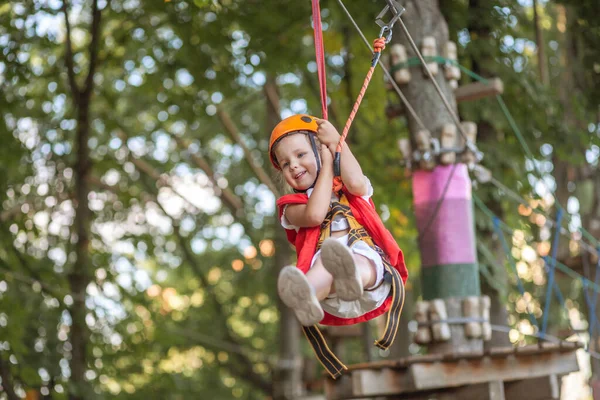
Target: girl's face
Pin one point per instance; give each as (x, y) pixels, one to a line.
(297, 161)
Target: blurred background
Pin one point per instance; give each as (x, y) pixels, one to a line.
(139, 244)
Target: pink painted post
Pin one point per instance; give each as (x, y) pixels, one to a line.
(449, 258)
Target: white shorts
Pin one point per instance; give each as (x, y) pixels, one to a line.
(370, 300)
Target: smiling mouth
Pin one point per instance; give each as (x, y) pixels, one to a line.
(300, 175)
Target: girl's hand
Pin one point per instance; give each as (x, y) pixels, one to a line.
(326, 158)
(327, 133)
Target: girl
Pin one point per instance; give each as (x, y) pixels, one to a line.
(344, 251)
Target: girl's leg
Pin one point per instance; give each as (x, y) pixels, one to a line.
(323, 281)
(347, 271)
(320, 279)
(366, 269)
(297, 293)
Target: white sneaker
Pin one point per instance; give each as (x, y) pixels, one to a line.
(296, 293)
(339, 262)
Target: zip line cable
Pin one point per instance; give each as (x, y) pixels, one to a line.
(562, 267)
(413, 114)
(470, 145)
(565, 232)
(592, 318)
(512, 123)
(407, 104)
(592, 249)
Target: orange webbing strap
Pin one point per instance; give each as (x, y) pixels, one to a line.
(320, 55)
(393, 317)
(378, 46)
(328, 360)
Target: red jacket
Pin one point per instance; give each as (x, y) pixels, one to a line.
(306, 240)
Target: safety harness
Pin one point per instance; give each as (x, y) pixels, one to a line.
(357, 233)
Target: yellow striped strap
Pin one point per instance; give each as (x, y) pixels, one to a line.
(393, 318)
(328, 360)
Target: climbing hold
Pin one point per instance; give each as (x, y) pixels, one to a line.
(398, 56)
(424, 146)
(448, 140)
(452, 72)
(437, 312)
(423, 335)
(470, 129)
(429, 49)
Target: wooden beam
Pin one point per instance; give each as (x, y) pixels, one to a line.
(344, 331)
(478, 90)
(443, 374)
(544, 388)
(483, 391)
(370, 383)
(418, 377)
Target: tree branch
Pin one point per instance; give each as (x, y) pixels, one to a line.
(231, 201)
(234, 133)
(147, 169)
(60, 197)
(34, 275)
(7, 382)
(97, 182)
(539, 41)
(69, 56)
(270, 89)
(246, 364)
(48, 290)
(89, 80)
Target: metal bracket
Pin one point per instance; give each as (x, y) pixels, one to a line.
(386, 28)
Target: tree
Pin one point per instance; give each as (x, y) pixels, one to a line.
(172, 294)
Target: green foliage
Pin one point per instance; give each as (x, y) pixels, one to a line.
(182, 302)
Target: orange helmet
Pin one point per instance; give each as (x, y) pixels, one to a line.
(295, 123)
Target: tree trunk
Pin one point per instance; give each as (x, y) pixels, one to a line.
(442, 197)
(539, 41)
(7, 382)
(79, 277)
(82, 270)
(287, 381)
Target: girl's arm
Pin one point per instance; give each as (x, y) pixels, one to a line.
(314, 212)
(351, 172)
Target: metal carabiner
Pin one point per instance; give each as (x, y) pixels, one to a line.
(389, 31)
(397, 11)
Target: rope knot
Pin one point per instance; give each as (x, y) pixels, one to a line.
(337, 184)
(379, 44)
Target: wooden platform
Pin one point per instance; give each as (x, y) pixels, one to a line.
(522, 373)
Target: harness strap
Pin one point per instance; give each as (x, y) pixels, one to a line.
(357, 233)
(393, 317)
(328, 360)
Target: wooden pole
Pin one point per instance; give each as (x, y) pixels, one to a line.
(442, 196)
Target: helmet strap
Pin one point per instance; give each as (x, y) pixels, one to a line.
(313, 143)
